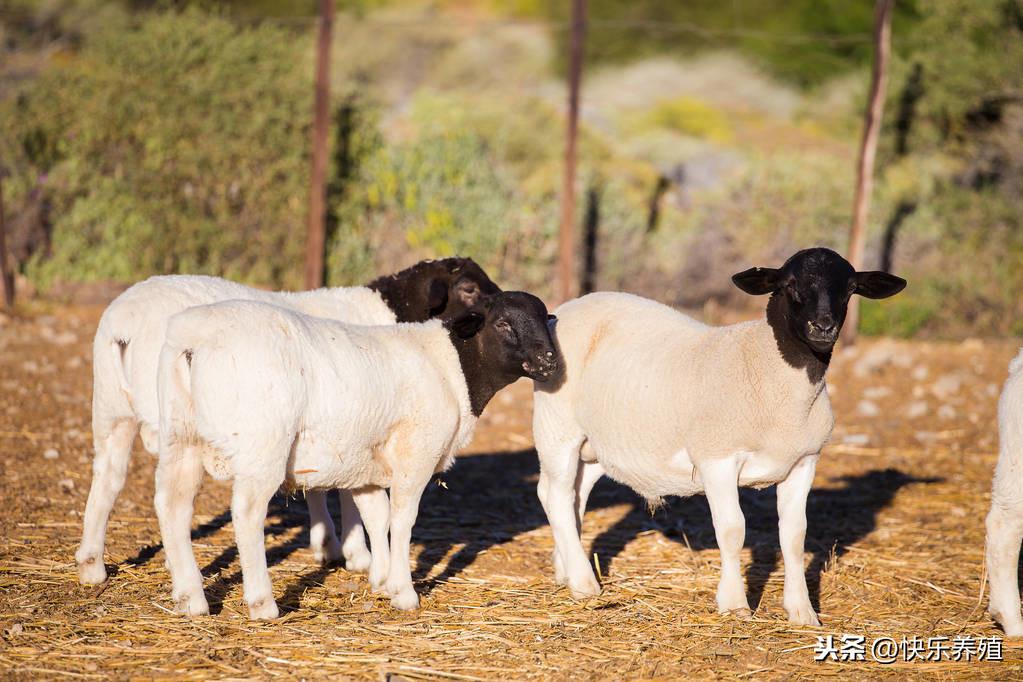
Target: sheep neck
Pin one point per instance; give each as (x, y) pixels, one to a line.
(793, 350)
(483, 377)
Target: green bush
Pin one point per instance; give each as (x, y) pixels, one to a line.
(178, 143)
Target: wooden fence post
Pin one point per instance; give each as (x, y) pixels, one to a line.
(868, 150)
(317, 232)
(6, 275)
(566, 234)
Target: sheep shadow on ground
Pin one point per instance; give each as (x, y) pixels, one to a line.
(488, 500)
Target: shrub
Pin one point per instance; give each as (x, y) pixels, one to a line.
(177, 143)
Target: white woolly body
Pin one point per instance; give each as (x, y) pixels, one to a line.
(126, 351)
(653, 392)
(346, 401)
(1005, 520)
(126, 383)
(267, 396)
(670, 406)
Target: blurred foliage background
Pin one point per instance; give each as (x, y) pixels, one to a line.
(142, 137)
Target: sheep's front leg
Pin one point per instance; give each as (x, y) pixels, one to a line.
(561, 502)
(323, 542)
(178, 476)
(720, 482)
(1004, 532)
(792, 494)
(406, 491)
(249, 502)
(586, 477)
(353, 539)
(375, 510)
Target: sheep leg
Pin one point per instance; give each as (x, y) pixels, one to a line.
(1004, 532)
(109, 469)
(178, 477)
(561, 475)
(323, 542)
(792, 494)
(353, 539)
(406, 491)
(586, 477)
(542, 485)
(375, 508)
(720, 482)
(249, 501)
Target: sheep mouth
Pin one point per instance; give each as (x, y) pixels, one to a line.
(540, 373)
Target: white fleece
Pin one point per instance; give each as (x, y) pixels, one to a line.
(126, 350)
(670, 406)
(266, 397)
(1005, 520)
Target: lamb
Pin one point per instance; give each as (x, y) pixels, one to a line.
(1005, 520)
(266, 396)
(127, 347)
(670, 406)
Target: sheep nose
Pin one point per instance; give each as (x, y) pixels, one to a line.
(547, 361)
(825, 328)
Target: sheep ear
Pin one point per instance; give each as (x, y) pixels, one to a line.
(878, 284)
(468, 325)
(468, 292)
(436, 296)
(757, 281)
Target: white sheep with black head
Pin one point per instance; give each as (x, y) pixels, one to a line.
(267, 397)
(670, 406)
(127, 346)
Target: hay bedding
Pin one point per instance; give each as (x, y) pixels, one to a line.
(895, 548)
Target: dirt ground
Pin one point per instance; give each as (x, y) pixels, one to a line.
(894, 548)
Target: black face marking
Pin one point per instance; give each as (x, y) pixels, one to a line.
(810, 296)
(502, 339)
(442, 288)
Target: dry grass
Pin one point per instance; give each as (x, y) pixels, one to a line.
(895, 548)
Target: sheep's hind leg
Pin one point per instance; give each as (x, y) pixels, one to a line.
(353, 538)
(178, 477)
(109, 468)
(323, 542)
(1004, 533)
(249, 501)
(720, 482)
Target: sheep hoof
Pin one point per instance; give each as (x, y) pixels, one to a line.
(327, 553)
(585, 588)
(191, 605)
(91, 571)
(358, 560)
(378, 581)
(405, 599)
(263, 609)
(803, 615)
(741, 613)
(1013, 626)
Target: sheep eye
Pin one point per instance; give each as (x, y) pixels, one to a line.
(793, 294)
(503, 325)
